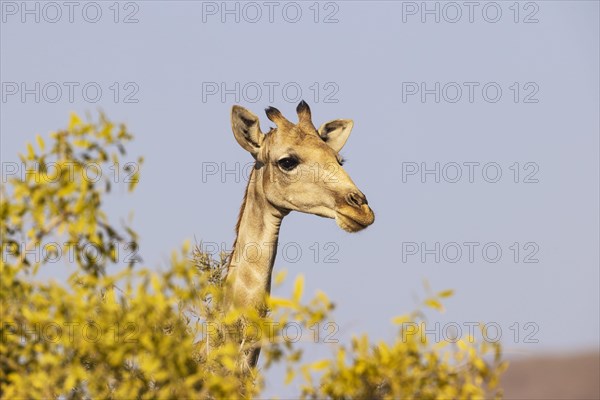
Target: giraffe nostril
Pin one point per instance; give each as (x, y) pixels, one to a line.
(356, 199)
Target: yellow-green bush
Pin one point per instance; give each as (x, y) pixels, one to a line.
(139, 333)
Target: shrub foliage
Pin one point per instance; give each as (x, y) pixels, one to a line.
(141, 333)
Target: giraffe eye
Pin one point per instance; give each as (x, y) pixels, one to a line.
(288, 163)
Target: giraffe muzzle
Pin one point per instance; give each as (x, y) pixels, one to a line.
(355, 215)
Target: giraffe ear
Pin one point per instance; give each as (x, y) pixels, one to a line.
(336, 132)
(246, 130)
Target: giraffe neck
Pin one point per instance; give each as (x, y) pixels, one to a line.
(251, 264)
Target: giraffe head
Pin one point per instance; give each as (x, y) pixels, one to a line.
(301, 169)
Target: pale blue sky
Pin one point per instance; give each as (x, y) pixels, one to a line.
(366, 61)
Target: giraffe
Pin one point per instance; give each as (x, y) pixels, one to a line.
(297, 168)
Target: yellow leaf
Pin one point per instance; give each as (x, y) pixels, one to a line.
(401, 319)
(81, 143)
(186, 246)
(298, 288)
(319, 365)
(341, 357)
(74, 121)
(289, 376)
(435, 304)
(40, 142)
(446, 293)
(479, 364)
(306, 373)
(441, 344)
(30, 152)
(70, 382)
(280, 277)
(276, 302)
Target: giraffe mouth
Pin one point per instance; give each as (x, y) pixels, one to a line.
(355, 223)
